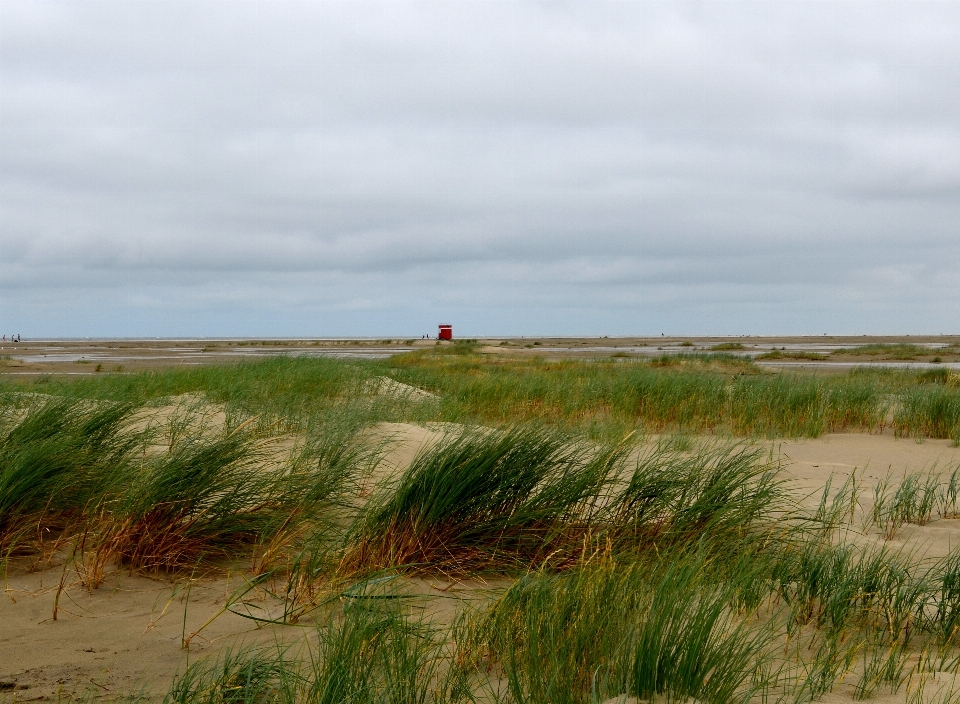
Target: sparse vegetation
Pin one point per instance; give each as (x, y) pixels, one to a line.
(889, 351)
(798, 355)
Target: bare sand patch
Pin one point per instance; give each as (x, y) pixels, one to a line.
(809, 464)
(400, 443)
(385, 386)
(127, 635)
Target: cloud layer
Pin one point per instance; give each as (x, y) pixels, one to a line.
(343, 168)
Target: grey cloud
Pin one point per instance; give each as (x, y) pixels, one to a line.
(557, 162)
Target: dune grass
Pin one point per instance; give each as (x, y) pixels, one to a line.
(608, 629)
(60, 459)
(675, 497)
(77, 456)
(503, 500)
(282, 390)
(487, 498)
(697, 392)
(362, 655)
(798, 355)
(903, 351)
(162, 497)
(667, 570)
(929, 411)
(686, 392)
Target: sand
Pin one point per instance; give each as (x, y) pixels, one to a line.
(809, 463)
(125, 635)
(130, 632)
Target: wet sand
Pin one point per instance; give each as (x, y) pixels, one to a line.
(81, 357)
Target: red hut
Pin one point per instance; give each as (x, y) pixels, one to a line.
(446, 332)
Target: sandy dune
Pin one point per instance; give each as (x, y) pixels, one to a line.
(129, 633)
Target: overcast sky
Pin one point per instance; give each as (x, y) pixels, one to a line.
(365, 168)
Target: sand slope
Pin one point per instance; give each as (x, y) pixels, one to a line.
(129, 633)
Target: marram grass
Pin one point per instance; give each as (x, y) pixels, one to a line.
(607, 398)
(669, 571)
(487, 499)
(607, 629)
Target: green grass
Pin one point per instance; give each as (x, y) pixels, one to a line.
(691, 392)
(669, 570)
(609, 629)
(487, 499)
(834, 585)
(687, 392)
(248, 675)
(929, 411)
(280, 389)
(362, 655)
(913, 500)
(889, 351)
(60, 458)
(799, 355)
(164, 497)
(204, 496)
(677, 497)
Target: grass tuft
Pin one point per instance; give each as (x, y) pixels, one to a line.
(610, 629)
(486, 499)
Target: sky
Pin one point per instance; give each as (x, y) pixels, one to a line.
(328, 169)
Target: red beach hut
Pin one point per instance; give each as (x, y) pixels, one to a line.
(446, 332)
